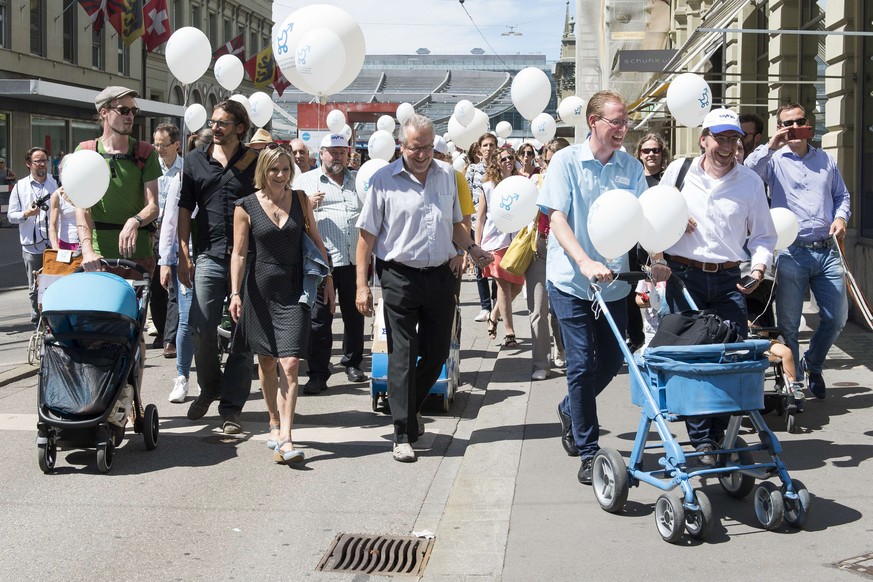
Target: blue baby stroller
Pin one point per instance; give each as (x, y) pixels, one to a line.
(90, 367)
(672, 383)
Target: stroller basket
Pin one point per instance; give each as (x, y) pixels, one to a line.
(81, 382)
(703, 379)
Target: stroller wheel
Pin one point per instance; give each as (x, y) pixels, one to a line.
(669, 517)
(48, 453)
(796, 510)
(150, 427)
(609, 480)
(699, 523)
(734, 483)
(105, 453)
(769, 505)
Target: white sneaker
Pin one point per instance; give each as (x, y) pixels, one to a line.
(560, 362)
(403, 452)
(539, 375)
(483, 316)
(180, 390)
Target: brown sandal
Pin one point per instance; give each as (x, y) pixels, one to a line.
(492, 328)
(509, 341)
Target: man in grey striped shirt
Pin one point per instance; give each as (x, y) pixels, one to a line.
(331, 190)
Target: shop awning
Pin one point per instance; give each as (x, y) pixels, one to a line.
(60, 94)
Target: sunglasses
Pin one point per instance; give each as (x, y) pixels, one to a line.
(507, 159)
(790, 122)
(651, 150)
(219, 123)
(272, 146)
(528, 154)
(122, 110)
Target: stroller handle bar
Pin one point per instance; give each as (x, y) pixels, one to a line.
(627, 276)
(124, 264)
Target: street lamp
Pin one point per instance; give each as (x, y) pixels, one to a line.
(511, 32)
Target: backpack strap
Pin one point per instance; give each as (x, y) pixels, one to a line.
(142, 151)
(304, 206)
(680, 179)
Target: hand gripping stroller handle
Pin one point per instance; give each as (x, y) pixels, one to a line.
(124, 264)
(628, 276)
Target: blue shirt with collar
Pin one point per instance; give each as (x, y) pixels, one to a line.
(574, 180)
(811, 187)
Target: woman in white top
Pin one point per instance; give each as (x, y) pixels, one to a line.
(501, 165)
(62, 222)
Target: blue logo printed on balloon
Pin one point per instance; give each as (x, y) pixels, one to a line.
(302, 53)
(282, 42)
(507, 201)
(704, 99)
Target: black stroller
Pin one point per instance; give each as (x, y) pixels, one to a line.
(90, 367)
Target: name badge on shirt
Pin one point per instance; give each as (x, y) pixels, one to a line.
(622, 180)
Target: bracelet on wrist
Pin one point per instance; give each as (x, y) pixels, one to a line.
(471, 247)
(234, 294)
(659, 262)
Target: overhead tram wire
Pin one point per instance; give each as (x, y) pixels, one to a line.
(482, 35)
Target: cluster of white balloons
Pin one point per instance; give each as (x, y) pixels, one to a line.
(467, 124)
(320, 49)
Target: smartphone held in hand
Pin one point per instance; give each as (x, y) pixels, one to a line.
(800, 132)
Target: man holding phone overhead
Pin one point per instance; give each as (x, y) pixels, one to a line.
(806, 181)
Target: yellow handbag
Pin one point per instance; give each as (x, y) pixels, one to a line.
(521, 250)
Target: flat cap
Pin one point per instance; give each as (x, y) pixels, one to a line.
(105, 96)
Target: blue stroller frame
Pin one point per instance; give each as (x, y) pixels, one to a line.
(672, 383)
(92, 358)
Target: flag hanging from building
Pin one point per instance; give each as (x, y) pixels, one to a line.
(262, 68)
(100, 10)
(157, 24)
(236, 47)
(129, 21)
(281, 83)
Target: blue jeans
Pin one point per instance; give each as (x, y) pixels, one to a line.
(211, 281)
(819, 270)
(184, 341)
(593, 359)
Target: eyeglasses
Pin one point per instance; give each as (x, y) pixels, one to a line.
(650, 150)
(162, 146)
(272, 146)
(616, 123)
(507, 159)
(528, 154)
(723, 140)
(423, 149)
(790, 122)
(219, 123)
(122, 110)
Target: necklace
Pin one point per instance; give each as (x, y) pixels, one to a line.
(276, 214)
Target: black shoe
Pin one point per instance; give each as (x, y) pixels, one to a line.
(199, 407)
(159, 342)
(567, 434)
(355, 374)
(706, 458)
(816, 384)
(231, 424)
(586, 470)
(314, 386)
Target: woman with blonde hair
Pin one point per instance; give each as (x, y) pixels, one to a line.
(270, 307)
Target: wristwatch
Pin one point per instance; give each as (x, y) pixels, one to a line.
(138, 218)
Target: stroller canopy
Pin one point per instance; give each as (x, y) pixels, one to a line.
(91, 293)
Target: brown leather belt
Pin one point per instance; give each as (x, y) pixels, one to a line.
(705, 267)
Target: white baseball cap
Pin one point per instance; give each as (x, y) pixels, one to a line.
(719, 120)
(335, 140)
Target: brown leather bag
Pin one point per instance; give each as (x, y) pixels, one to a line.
(52, 266)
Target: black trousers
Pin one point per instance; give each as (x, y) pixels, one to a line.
(321, 332)
(418, 308)
(162, 303)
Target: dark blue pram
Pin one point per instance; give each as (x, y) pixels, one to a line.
(90, 366)
(671, 383)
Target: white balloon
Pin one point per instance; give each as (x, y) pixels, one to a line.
(86, 178)
(404, 112)
(262, 108)
(347, 133)
(381, 145)
(365, 172)
(245, 102)
(195, 117)
(459, 162)
(615, 222)
(503, 129)
(784, 220)
(531, 91)
(571, 110)
(320, 59)
(501, 142)
(451, 147)
(689, 99)
(666, 215)
(543, 127)
(188, 54)
(466, 136)
(335, 121)
(464, 112)
(228, 71)
(386, 123)
(287, 38)
(513, 204)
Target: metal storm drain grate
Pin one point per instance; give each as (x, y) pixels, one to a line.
(862, 565)
(397, 555)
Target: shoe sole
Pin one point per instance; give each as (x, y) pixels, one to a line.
(196, 412)
(231, 428)
(179, 400)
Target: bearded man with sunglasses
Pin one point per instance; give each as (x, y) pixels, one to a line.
(216, 175)
(120, 225)
(806, 181)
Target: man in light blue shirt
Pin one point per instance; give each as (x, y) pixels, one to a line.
(806, 181)
(577, 176)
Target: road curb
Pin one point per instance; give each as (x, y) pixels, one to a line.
(16, 373)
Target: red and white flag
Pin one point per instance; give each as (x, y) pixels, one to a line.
(236, 47)
(157, 24)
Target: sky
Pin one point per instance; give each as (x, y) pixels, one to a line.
(443, 27)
